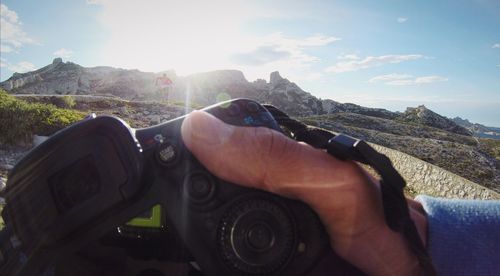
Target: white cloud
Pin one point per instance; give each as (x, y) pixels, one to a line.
(371, 61)
(390, 77)
(261, 55)
(11, 32)
(5, 48)
(20, 67)
(276, 47)
(496, 45)
(348, 56)
(63, 53)
(315, 40)
(94, 2)
(430, 79)
(279, 52)
(9, 15)
(405, 79)
(402, 19)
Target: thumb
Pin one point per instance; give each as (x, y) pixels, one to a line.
(262, 158)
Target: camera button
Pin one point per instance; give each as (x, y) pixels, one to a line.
(200, 187)
(167, 153)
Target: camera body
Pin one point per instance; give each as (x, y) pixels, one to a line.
(100, 175)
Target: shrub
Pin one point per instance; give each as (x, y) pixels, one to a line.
(19, 120)
(63, 102)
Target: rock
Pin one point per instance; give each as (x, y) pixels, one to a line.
(155, 119)
(479, 130)
(275, 77)
(123, 110)
(424, 116)
(57, 61)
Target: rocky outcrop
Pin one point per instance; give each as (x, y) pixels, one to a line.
(66, 78)
(424, 116)
(478, 130)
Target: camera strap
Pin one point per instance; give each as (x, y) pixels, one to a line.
(396, 211)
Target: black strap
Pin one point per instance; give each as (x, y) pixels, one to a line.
(396, 211)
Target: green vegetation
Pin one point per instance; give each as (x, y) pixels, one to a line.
(19, 120)
(63, 102)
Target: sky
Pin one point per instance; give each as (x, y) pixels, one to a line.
(390, 54)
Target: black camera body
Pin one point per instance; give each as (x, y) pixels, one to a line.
(98, 174)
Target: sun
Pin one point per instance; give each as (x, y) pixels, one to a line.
(187, 36)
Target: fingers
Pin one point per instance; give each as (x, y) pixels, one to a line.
(260, 157)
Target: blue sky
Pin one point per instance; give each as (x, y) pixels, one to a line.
(389, 54)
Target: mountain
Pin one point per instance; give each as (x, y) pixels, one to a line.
(132, 95)
(67, 78)
(478, 130)
(424, 116)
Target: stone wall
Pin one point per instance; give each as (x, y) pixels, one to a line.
(425, 178)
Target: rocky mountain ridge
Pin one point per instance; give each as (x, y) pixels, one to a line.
(424, 116)
(67, 78)
(478, 130)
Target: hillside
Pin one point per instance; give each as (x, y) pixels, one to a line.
(67, 78)
(476, 160)
(478, 130)
(132, 95)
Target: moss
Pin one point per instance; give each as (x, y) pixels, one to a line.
(19, 120)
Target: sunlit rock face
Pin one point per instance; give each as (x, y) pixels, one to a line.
(206, 88)
(67, 78)
(424, 116)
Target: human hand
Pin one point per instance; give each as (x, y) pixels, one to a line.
(345, 197)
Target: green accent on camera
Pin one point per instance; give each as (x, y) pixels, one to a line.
(151, 219)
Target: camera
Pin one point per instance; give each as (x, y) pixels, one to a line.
(141, 189)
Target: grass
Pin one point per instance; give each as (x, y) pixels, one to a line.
(20, 120)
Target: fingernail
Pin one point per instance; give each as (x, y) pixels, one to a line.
(205, 128)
